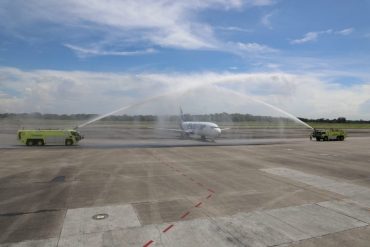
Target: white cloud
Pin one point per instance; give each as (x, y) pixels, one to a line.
(84, 52)
(93, 92)
(163, 22)
(253, 48)
(308, 37)
(313, 36)
(346, 31)
(261, 2)
(236, 29)
(266, 20)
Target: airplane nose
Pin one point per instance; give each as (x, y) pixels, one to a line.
(218, 131)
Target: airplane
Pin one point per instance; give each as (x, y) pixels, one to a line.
(206, 130)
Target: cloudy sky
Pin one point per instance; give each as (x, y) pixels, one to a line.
(310, 58)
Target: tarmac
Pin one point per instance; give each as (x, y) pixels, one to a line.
(258, 192)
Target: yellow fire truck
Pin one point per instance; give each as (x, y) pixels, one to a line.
(32, 137)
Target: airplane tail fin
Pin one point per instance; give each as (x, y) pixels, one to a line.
(181, 117)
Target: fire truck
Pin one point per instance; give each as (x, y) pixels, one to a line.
(41, 137)
(328, 134)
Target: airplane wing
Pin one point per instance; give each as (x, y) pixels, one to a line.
(177, 130)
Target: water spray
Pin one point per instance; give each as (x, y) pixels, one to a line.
(183, 91)
(122, 109)
(284, 112)
(272, 107)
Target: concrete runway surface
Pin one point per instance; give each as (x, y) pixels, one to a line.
(286, 192)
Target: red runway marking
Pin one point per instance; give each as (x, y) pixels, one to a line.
(148, 243)
(212, 191)
(184, 215)
(168, 228)
(209, 196)
(198, 204)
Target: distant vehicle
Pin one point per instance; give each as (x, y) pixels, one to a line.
(206, 130)
(328, 134)
(45, 137)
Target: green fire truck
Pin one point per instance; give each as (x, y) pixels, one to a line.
(328, 134)
(32, 137)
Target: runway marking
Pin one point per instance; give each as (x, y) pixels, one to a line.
(188, 212)
(184, 215)
(212, 191)
(168, 228)
(148, 243)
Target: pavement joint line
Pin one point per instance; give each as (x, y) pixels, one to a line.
(303, 186)
(339, 212)
(283, 221)
(61, 228)
(200, 184)
(168, 228)
(326, 234)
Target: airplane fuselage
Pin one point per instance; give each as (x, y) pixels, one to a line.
(203, 129)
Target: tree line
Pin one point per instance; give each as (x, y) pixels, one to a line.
(334, 120)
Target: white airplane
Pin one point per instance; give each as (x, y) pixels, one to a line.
(206, 130)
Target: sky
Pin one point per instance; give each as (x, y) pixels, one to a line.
(310, 58)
